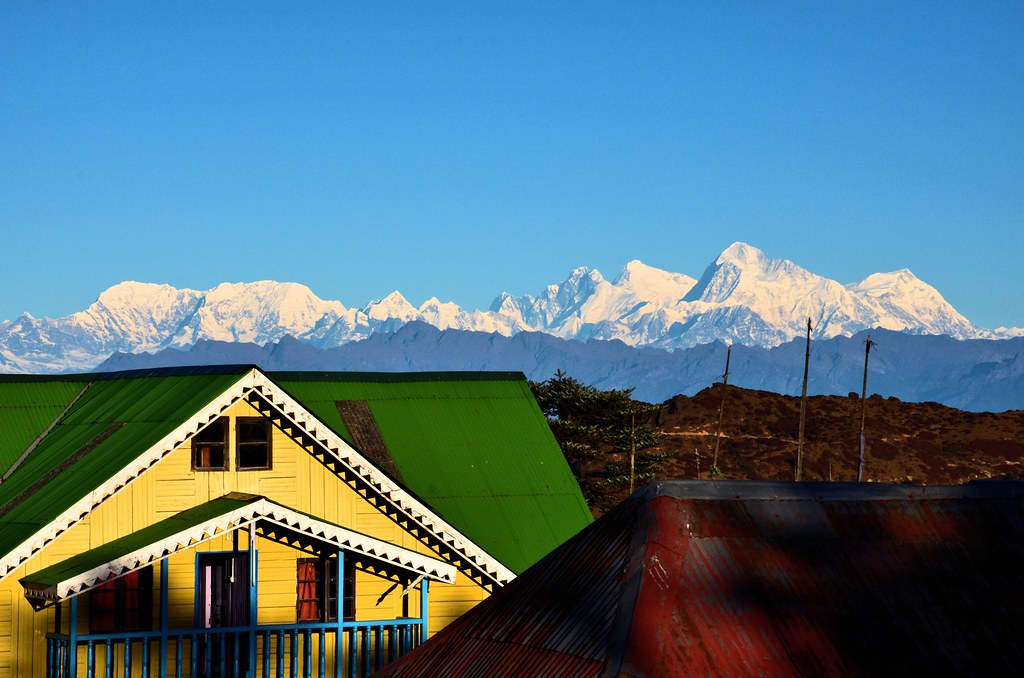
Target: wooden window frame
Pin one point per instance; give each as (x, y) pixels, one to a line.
(239, 443)
(326, 588)
(197, 441)
(120, 609)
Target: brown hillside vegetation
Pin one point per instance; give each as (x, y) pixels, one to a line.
(925, 443)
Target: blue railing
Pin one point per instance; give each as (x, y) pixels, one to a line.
(287, 650)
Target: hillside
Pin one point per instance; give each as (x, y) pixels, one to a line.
(924, 443)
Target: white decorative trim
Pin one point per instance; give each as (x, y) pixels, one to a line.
(395, 494)
(258, 513)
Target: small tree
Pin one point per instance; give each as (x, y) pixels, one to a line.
(598, 432)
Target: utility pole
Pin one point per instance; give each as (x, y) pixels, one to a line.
(721, 409)
(632, 448)
(863, 409)
(803, 408)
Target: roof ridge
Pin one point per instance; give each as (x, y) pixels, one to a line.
(395, 377)
(788, 490)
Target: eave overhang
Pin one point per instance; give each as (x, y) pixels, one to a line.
(235, 511)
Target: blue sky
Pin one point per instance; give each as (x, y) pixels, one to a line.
(463, 149)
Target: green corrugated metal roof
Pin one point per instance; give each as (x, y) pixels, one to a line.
(132, 413)
(474, 447)
(26, 409)
(157, 532)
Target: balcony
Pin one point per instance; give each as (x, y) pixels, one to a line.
(224, 636)
(306, 650)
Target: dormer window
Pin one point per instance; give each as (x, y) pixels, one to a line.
(210, 445)
(252, 443)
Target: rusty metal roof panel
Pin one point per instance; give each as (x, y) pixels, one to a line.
(733, 578)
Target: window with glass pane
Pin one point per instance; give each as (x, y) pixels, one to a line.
(210, 445)
(317, 592)
(252, 443)
(123, 604)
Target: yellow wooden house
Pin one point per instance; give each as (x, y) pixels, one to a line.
(229, 522)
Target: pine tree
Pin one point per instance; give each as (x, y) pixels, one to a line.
(597, 430)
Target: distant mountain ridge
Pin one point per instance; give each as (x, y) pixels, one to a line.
(977, 374)
(742, 297)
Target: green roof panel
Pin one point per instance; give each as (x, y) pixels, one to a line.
(112, 423)
(476, 448)
(26, 410)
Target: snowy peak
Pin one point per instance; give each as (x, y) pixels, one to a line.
(258, 312)
(131, 293)
(742, 255)
(654, 283)
(877, 284)
(392, 307)
(906, 303)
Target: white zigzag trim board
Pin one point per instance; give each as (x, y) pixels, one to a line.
(256, 512)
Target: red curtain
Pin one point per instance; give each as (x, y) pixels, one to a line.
(309, 602)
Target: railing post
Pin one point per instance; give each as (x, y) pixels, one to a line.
(424, 609)
(163, 618)
(280, 652)
(353, 645)
(294, 644)
(72, 655)
(322, 647)
(253, 597)
(339, 635)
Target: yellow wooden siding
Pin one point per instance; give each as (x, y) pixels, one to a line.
(6, 621)
(296, 479)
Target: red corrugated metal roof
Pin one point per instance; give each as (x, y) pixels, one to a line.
(750, 578)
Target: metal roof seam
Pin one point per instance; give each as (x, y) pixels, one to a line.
(35, 443)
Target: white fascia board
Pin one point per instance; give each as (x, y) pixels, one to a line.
(121, 478)
(149, 554)
(257, 512)
(402, 500)
(360, 543)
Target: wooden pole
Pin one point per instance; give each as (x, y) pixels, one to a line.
(632, 449)
(863, 409)
(721, 409)
(803, 409)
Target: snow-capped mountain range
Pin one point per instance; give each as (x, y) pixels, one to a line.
(742, 297)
